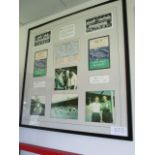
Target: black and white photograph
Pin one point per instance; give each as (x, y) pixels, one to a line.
(64, 106)
(99, 22)
(66, 78)
(100, 106)
(38, 105)
(42, 38)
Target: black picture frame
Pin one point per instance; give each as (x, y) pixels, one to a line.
(127, 73)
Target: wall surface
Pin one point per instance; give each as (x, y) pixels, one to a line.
(77, 143)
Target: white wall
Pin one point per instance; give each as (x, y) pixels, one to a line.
(77, 143)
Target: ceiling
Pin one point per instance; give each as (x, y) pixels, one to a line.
(31, 10)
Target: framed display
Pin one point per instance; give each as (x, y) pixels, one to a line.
(77, 74)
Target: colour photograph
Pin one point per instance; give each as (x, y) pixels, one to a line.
(40, 63)
(99, 53)
(37, 105)
(64, 106)
(66, 78)
(100, 106)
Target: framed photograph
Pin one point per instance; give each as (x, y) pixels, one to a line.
(99, 53)
(64, 106)
(80, 82)
(100, 106)
(37, 105)
(66, 78)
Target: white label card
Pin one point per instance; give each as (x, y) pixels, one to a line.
(67, 32)
(37, 84)
(99, 79)
(119, 131)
